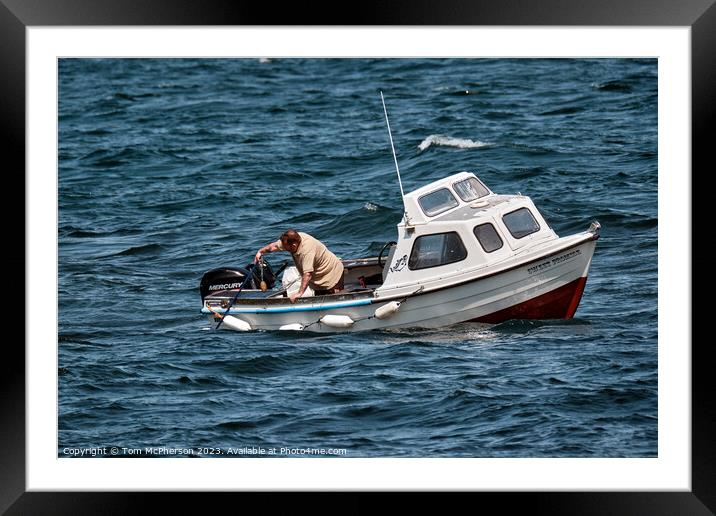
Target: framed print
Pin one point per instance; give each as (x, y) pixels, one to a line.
(174, 143)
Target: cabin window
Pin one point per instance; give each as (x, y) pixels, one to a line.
(470, 189)
(438, 249)
(437, 202)
(487, 236)
(520, 223)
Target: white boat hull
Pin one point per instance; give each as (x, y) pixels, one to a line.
(540, 286)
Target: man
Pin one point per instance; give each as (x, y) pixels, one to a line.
(318, 267)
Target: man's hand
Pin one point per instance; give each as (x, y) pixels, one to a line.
(305, 280)
(257, 257)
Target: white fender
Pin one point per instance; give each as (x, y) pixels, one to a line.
(387, 310)
(337, 321)
(294, 326)
(236, 324)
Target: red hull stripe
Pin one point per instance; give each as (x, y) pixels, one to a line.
(560, 303)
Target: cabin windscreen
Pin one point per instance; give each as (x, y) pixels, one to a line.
(470, 189)
(437, 202)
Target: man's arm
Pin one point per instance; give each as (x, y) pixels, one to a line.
(270, 248)
(305, 280)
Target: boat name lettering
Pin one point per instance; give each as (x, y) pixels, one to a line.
(225, 286)
(567, 256)
(546, 265)
(400, 264)
(539, 267)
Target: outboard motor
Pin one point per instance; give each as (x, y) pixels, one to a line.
(227, 278)
(223, 278)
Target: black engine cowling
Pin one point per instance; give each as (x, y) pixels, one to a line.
(227, 278)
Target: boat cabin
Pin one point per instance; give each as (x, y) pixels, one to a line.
(451, 226)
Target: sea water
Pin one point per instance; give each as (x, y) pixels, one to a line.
(171, 167)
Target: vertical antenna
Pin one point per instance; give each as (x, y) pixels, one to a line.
(395, 158)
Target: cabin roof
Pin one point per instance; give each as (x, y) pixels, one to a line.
(416, 215)
(475, 209)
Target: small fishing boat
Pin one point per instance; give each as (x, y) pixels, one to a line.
(462, 253)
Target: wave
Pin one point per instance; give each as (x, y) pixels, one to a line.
(362, 222)
(563, 111)
(627, 220)
(138, 250)
(130, 96)
(311, 216)
(615, 85)
(237, 425)
(532, 149)
(77, 232)
(448, 141)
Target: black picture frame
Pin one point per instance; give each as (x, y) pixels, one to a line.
(17, 15)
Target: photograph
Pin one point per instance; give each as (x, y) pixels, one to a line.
(357, 258)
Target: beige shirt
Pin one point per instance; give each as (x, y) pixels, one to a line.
(313, 256)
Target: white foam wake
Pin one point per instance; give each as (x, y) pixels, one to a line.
(447, 141)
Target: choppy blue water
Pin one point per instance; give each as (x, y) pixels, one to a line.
(168, 168)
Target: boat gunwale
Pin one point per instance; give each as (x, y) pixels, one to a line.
(314, 303)
(302, 301)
